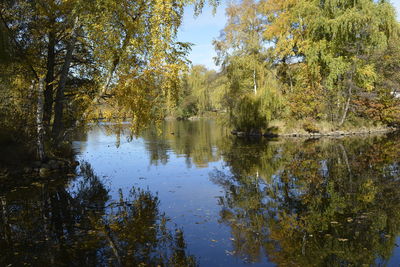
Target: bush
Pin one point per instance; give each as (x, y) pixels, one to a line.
(309, 126)
(247, 117)
(187, 109)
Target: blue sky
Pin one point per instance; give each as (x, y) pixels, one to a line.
(202, 30)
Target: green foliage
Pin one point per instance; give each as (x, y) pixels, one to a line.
(203, 91)
(243, 56)
(187, 108)
(312, 59)
(247, 117)
(332, 43)
(273, 103)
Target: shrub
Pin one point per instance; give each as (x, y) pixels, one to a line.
(309, 126)
(187, 109)
(247, 117)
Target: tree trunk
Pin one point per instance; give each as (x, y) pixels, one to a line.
(254, 82)
(6, 230)
(39, 122)
(48, 92)
(117, 57)
(102, 93)
(59, 105)
(104, 89)
(113, 245)
(346, 108)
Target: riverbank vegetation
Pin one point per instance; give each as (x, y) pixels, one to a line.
(310, 65)
(314, 63)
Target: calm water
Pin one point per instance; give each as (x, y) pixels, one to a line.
(191, 194)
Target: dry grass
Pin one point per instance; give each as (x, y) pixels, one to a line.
(293, 126)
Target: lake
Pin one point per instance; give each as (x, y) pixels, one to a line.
(188, 193)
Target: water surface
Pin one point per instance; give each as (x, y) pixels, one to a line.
(191, 194)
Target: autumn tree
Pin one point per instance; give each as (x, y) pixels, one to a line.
(79, 56)
(328, 45)
(243, 56)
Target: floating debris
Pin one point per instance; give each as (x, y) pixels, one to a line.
(230, 252)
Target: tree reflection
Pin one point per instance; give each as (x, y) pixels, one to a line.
(75, 223)
(316, 203)
(195, 140)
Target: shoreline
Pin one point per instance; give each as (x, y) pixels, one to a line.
(339, 133)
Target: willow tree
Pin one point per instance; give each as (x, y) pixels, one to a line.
(241, 40)
(200, 84)
(243, 55)
(328, 45)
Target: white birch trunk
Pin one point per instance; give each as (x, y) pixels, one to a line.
(346, 108)
(254, 82)
(39, 121)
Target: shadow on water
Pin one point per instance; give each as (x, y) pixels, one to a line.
(71, 221)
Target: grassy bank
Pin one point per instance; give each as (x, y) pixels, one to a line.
(305, 127)
(322, 128)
